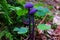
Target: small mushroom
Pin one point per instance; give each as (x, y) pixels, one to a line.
(28, 5)
(32, 11)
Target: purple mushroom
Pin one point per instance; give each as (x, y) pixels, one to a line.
(28, 5)
(32, 11)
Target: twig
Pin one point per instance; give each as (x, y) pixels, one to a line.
(43, 19)
(27, 38)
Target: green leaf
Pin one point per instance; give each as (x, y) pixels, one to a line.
(16, 29)
(8, 35)
(38, 4)
(38, 14)
(20, 11)
(21, 1)
(12, 8)
(5, 8)
(0, 7)
(2, 34)
(23, 30)
(50, 13)
(43, 27)
(50, 7)
(25, 11)
(41, 11)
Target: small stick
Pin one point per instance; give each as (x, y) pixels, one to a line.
(43, 19)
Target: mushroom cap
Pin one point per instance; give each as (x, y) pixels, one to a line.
(28, 5)
(32, 11)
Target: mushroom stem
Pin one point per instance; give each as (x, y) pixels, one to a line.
(33, 38)
(29, 25)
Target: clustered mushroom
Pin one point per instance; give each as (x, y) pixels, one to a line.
(31, 11)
